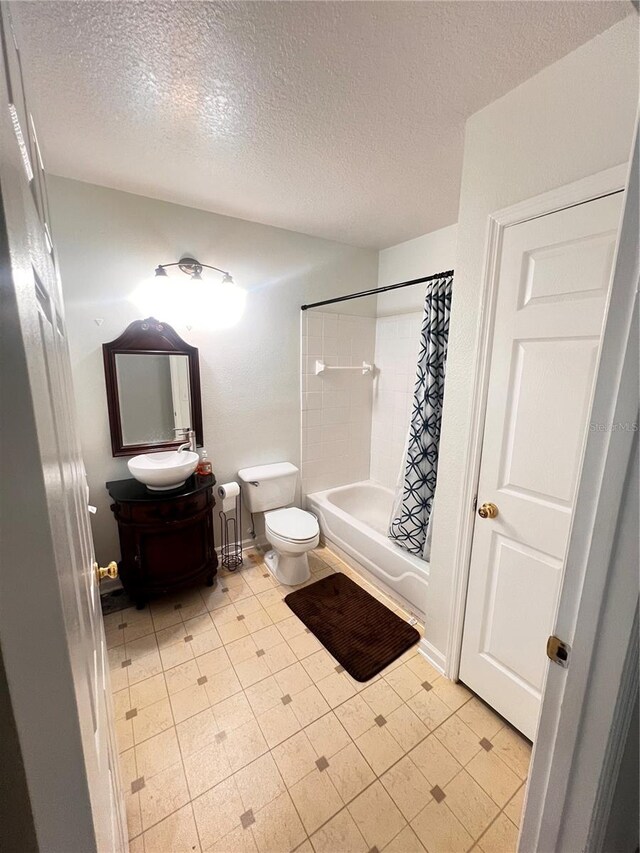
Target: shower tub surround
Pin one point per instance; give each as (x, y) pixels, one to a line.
(336, 405)
(354, 520)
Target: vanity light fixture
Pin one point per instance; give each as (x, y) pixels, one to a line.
(193, 268)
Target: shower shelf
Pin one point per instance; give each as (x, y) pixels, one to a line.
(365, 367)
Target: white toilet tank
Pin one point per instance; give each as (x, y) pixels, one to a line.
(266, 487)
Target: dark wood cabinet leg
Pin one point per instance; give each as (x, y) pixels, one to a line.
(209, 580)
(140, 603)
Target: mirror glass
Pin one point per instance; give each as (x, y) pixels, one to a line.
(153, 396)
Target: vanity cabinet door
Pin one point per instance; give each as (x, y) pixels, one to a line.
(174, 552)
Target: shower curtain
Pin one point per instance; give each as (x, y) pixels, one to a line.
(410, 520)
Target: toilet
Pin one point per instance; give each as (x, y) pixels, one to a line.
(291, 531)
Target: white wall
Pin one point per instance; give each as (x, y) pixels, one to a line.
(573, 119)
(336, 405)
(426, 255)
(108, 241)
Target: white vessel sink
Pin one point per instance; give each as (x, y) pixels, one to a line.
(162, 471)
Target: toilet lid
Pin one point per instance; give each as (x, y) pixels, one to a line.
(293, 524)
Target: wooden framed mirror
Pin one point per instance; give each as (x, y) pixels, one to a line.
(153, 388)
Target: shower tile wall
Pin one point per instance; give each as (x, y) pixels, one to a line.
(396, 355)
(336, 405)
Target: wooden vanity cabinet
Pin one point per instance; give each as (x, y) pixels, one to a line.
(166, 538)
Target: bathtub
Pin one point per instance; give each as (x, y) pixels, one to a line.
(356, 518)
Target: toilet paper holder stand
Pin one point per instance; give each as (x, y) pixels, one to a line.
(230, 535)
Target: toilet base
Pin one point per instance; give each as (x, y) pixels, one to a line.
(288, 569)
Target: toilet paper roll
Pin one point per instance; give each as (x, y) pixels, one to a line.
(228, 492)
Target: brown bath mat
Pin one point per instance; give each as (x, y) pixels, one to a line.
(362, 634)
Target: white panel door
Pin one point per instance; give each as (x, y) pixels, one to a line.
(95, 819)
(554, 277)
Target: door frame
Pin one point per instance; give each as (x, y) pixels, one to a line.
(584, 190)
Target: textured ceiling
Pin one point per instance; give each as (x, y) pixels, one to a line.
(344, 120)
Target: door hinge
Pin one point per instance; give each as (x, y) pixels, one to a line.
(558, 652)
(475, 503)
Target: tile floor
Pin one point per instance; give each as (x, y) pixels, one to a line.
(237, 731)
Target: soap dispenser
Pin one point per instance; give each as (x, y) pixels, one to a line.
(204, 469)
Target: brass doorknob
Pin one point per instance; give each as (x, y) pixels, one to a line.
(488, 511)
(110, 571)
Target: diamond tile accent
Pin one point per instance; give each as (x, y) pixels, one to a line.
(374, 850)
(123, 625)
(177, 607)
(224, 589)
(322, 763)
(240, 617)
(380, 720)
(247, 819)
(438, 794)
(265, 575)
(203, 679)
(137, 785)
(131, 714)
(260, 653)
(126, 663)
(486, 744)
(339, 668)
(188, 638)
(307, 631)
(426, 685)
(286, 699)
(220, 736)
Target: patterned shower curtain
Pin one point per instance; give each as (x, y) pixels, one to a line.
(411, 515)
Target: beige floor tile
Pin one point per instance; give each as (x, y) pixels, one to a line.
(431, 710)
(175, 654)
(405, 842)
(122, 703)
(233, 712)
(380, 748)
(149, 691)
(327, 735)
(435, 762)
(256, 620)
(217, 812)
(470, 804)
(231, 631)
(206, 767)
(406, 727)
(238, 840)
(213, 662)
(293, 679)
(250, 604)
(295, 758)
(458, 738)
(439, 829)
(136, 845)
(158, 753)
(291, 627)
(279, 657)
(253, 670)
(240, 650)
(309, 705)
(144, 667)
(356, 716)
(118, 679)
(513, 809)
(165, 618)
(267, 638)
(224, 615)
(186, 703)
(277, 828)
(315, 799)
(278, 724)
(319, 665)
(404, 681)
(270, 598)
(163, 794)
(128, 769)
(152, 720)
(244, 744)
(203, 643)
(423, 669)
(484, 722)
(381, 698)
(264, 695)
(222, 685)
(136, 630)
(182, 676)
(199, 624)
(349, 772)
(494, 776)
(376, 816)
(452, 694)
(124, 734)
(501, 837)
(514, 750)
(336, 689)
(410, 790)
(196, 732)
(171, 635)
(259, 783)
(339, 835)
(303, 645)
(176, 833)
(134, 819)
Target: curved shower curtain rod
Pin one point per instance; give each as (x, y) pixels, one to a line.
(373, 290)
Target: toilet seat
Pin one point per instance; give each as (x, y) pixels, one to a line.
(292, 524)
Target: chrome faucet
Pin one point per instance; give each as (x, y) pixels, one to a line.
(190, 435)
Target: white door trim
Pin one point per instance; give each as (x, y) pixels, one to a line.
(602, 183)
